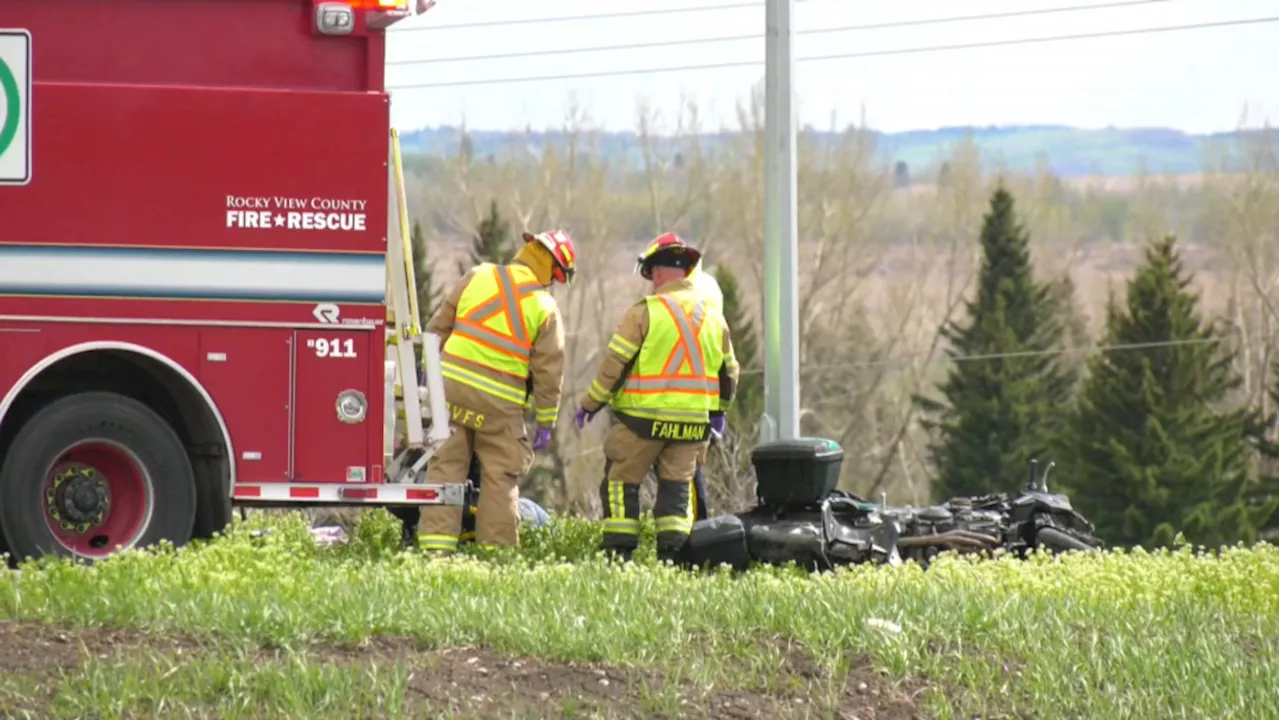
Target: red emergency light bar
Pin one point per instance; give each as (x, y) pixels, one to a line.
(402, 5)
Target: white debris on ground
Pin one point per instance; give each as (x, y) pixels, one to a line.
(329, 535)
(886, 626)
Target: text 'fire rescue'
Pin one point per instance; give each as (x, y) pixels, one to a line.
(295, 213)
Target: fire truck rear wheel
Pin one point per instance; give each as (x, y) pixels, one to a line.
(93, 473)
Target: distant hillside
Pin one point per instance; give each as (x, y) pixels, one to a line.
(1071, 152)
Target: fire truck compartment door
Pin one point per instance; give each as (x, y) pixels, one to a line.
(329, 364)
(246, 371)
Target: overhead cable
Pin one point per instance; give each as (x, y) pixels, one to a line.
(758, 36)
(837, 56)
(931, 360)
(596, 16)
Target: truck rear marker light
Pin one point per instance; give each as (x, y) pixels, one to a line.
(335, 18)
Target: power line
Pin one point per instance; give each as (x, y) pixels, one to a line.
(929, 360)
(596, 16)
(757, 36)
(839, 56)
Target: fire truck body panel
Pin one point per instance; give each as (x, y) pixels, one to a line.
(266, 44)
(224, 172)
(205, 231)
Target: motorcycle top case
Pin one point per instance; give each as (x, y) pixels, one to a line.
(797, 472)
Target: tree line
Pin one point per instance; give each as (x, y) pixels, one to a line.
(1143, 436)
(888, 276)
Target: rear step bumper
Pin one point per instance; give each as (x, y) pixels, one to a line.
(343, 494)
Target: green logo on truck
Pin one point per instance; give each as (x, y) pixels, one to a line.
(15, 107)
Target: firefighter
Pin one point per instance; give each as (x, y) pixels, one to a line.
(665, 369)
(710, 292)
(503, 341)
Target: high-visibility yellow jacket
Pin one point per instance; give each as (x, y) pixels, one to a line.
(502, 333)
(669, 365)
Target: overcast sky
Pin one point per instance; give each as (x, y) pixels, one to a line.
(1195, 80)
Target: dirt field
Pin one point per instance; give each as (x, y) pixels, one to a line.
(463, 682)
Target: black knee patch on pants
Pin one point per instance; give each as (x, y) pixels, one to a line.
(621, 504)
(672, 515)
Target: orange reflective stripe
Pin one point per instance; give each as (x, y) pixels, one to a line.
(507, 302)
(492, 339)
(688, 348)
(515, 318)
(684, 385)
(494, 305)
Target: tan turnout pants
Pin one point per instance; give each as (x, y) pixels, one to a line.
(505, 454)
(628, 459)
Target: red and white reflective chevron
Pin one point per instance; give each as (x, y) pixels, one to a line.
(336, 493)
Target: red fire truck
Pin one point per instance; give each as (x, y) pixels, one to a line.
(204, 271)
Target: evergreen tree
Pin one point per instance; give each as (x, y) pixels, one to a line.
(1000, 407)
(1151, 451)
(1262, 435)
(1075, 330)
(747, 407)
(492, 242)
(428, 292)
(729, 463)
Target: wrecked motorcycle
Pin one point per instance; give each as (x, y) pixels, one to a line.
(801, 517)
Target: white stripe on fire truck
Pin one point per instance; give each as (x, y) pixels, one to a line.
(191, 274)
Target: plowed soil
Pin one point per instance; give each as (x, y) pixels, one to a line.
(480, 683)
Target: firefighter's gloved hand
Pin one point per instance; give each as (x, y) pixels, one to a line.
(717, 424)
(582, 417)
(541, 438)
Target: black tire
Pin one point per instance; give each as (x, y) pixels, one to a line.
(1058, 541)
(111, 417)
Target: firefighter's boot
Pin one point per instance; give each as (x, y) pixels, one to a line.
(439, 526)
(621, 503)
(673, 517)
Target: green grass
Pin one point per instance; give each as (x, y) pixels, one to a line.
(223, 685)
(1118, 634)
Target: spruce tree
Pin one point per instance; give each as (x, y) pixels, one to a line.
(749, 403)
(492, 242)
(427, 290)
(1152, 452)
(729, 464)
(1002, 395)
(1075, 331)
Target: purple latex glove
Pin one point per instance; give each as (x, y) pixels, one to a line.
(582, 417)
(541, 437)
(717, 424)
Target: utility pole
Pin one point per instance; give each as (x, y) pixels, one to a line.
(781, 419)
